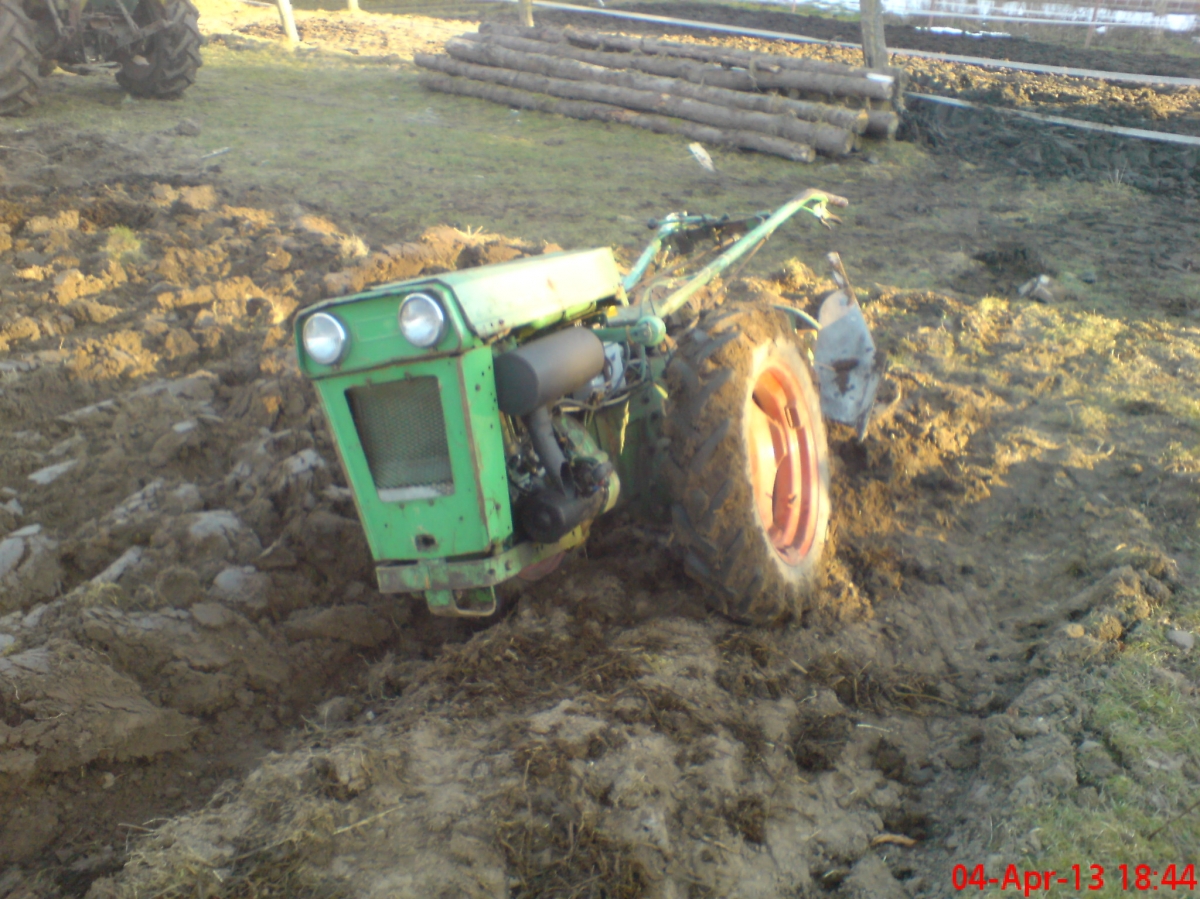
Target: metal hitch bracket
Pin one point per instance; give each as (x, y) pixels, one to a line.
(478, 602)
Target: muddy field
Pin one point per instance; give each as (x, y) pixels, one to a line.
(914, 38)
(202, 693)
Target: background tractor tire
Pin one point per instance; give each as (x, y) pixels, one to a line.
(164, 65)
(19, 60)
(749, 464)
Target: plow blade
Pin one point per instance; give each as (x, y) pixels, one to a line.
(848, 368)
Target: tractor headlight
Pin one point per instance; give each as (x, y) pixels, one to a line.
(325, 338)
(422, 321)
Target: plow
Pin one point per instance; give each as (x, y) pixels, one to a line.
(487, 418)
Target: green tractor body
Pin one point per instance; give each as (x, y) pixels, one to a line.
(419, 429)
(486, 417)
(153, 46)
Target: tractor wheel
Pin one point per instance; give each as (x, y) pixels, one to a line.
(164, 65)
(749, 467)
(19, 59)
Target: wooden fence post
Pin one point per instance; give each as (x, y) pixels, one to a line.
(288, 20)
(875, 54)
(1091, 32)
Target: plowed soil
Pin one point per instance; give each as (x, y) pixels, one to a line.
(912, 38)
(203, 694)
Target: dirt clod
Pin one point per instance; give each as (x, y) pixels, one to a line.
(201, 693)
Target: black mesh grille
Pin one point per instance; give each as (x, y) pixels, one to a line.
(403, 433)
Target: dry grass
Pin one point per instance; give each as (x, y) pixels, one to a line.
(272, 845)
(867, 688)
(552, 857)
(753, 666)
(504, 666)
(546, 828)
(747, 816)
(817, 742)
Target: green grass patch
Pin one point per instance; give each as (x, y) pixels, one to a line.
(1076, 333)
(362, 141)
(1152, 728)
(367, 138)
(122, 244)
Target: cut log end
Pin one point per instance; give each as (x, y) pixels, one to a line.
(882, 123)
(779, 105)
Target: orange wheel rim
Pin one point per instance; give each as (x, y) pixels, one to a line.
(783, 462)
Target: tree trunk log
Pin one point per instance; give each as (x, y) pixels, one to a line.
(495, 51)
(726, 56)
(875, 53)
(826, 139)
(600, 112)
(882, 123)
(752, 78)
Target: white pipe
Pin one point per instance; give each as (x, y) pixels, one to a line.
(288, 20)
(1165, 137)
(1102, 23)
(923, 54)
(1053, 70)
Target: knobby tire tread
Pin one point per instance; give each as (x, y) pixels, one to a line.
(173, 55)
(724, 545)
(19, 60)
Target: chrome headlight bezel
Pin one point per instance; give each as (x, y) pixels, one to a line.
(424, 326)
(334, 331)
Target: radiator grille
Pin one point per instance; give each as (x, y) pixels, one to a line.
(403, 432)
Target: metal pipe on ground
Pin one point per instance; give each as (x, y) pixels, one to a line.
(524, 55)
(601, 112)
(827, 139)
(1166, 137)
(1034, 20)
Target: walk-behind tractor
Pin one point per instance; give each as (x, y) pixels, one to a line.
(487, 417)
(153, 45)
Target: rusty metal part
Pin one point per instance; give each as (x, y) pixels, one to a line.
(848, 369)
(784, 462)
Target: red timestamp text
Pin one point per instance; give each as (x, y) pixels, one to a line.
(1083, 878)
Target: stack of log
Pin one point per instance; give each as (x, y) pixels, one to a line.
(782, 105)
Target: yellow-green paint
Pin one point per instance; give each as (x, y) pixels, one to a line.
(476, 517)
